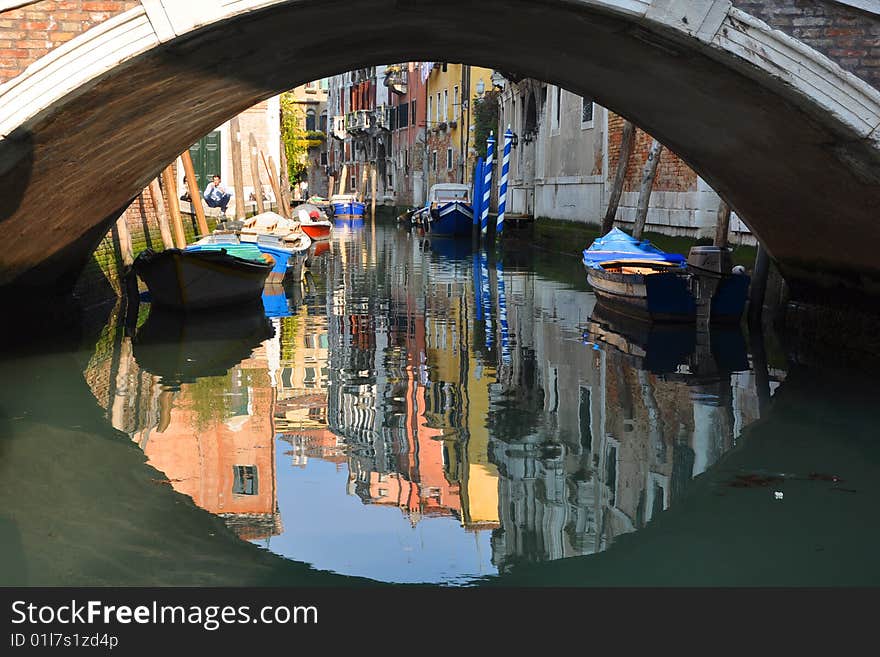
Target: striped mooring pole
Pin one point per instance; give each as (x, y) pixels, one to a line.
(502, 192)
(478, 191)
(487, 184)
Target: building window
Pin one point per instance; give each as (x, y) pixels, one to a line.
(323, 124)
(455, 103)
(445, 104)
(406, 160)
(449, 159)
(244, 480)
(310, 119)
(402, 116)
(412, 111)
(430, 108)
(437, 109)
(434, 161)
(586, 113)
(324, 158)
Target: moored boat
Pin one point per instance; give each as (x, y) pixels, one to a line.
(283, 254)
(347, 207)
(203, 278)
(640, 280)
(313, 222)
(449, 210)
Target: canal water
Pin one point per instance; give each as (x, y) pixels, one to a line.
(413, 411)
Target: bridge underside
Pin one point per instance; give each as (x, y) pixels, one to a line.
(807, 185)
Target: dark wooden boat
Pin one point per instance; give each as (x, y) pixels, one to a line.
(638, 279)
(203, 279)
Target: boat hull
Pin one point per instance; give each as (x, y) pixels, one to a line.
(667, 296)
(354, 209)
(660, 297)
(317, 230)
(200, 279)
(452, 219)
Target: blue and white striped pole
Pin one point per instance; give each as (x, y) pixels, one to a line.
(502, 193)
(487, 184)
(478, 191)
(502, 315)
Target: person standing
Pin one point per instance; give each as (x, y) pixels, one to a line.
(216, 195)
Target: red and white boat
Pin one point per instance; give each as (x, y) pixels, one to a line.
(313, 222)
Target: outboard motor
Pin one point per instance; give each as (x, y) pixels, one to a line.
(707, 265)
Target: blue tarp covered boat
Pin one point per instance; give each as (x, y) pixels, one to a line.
(638, 279)
(617, 245)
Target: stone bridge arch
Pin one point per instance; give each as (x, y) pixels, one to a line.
(786, 135)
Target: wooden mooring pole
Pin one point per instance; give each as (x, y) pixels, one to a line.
(237, 174)
(626, 148)
(722, 225)
(648, 174)
(276, 187)
(373, 191)
(343, 178)
(255, 172)
(161, 214)
(174, 206)
(758, 288)
(194, 194)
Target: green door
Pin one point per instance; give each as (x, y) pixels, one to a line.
(205, 154)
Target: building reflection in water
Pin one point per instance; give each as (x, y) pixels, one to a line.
(441, 384)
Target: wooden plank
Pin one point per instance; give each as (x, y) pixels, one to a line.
(330, 184)
(237, 174)
(161, 214)
(174, 206)
(255, 172)
(194, 193)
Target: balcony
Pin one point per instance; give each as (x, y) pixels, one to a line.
(382, 115)
(357, 121)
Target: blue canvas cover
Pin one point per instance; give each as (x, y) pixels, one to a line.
(617, 245)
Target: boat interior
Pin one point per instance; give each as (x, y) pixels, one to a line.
(640, 267)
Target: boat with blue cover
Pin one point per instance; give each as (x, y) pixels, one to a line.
(347, 208)
(285, 255)
(640, 280)
(449, 210)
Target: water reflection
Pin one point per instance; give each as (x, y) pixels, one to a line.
(415, 411)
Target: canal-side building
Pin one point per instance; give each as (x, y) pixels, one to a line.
(564, 159)
(406, 172)
(449, 93)
(358, 105)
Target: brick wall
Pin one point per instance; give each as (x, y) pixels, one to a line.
(673, 175)
(848, 36)
(28, 33)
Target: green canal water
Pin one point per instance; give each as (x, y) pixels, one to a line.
(415, 411)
